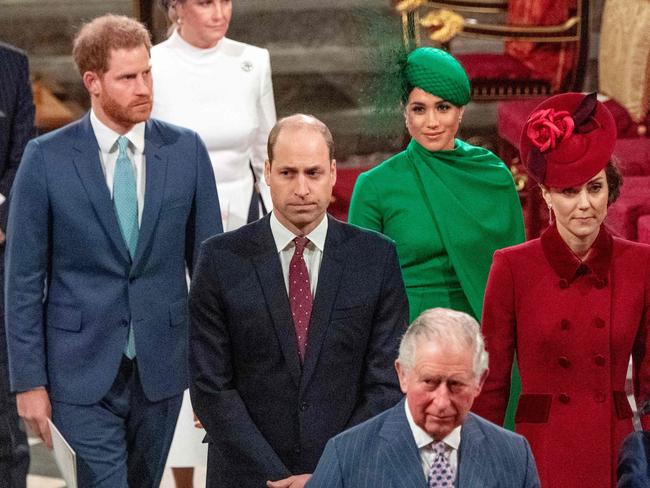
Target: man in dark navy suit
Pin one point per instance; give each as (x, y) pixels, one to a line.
(107, 214)
(16, 128)
(294, 322)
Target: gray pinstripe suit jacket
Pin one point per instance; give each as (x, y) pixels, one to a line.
(381, 453)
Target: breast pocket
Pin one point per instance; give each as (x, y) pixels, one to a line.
(175, 204)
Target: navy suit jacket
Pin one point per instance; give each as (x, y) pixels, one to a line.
(16, 119)
(267, 416)
(72, 289)
(382, 453)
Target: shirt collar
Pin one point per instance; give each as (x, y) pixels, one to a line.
(107, 137)
(422, 439)
(283, 236)
(568, 266)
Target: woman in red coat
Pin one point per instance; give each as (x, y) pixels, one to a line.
(573, 305)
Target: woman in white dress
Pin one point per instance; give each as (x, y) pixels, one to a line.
(221, 89)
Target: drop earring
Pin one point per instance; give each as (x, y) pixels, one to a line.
(550, 213)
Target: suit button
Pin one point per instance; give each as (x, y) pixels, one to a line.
(599, 360)
(564, 324)
(600, 283)
(304, 406)
(564, 398)
(564, 284)
(598, 323)
(124, 323)
(599, 396)
(564, 361)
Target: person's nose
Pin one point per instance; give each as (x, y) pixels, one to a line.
(302, 186)
(441, 399)
(218, 11)
(143, 85)
(432, 119)
(583, 199)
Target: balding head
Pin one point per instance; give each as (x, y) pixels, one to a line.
(295, 122)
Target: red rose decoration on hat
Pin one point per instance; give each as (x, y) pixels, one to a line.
(546, 128)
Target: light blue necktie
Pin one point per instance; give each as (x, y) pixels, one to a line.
(125, 199)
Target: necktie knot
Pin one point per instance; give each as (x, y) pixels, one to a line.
(123, 144)
(439, 448)
(300, 243)
(441, 474)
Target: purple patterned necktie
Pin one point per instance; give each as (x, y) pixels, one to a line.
(441, 474)
(300, 295)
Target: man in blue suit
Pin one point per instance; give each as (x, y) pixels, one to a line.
(295, 320)
(431, 439)
(107, 214)
(16, 128)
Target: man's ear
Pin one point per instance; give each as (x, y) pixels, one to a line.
(92, 82)
(401, 375)
(482, 380)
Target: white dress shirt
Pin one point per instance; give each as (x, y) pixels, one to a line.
(313, 253)
(424, 440)
(108, 152)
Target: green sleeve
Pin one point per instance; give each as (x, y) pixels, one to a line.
(364, 205)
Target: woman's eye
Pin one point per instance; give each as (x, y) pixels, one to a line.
(443, 107)
(595, 188)
(569, 191)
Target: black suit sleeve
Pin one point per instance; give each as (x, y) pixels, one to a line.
(380, 386)
(21, 128)
(215, 399)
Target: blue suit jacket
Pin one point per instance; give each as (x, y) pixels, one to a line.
(72, 289)
(267, 415)
(382, 453)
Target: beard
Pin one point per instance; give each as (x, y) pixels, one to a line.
(127, 115)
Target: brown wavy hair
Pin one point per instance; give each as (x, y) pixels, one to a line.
(92, 46)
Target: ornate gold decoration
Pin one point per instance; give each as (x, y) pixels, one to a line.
(443, 25)
(406, 6)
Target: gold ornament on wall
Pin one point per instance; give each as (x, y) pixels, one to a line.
(443, 25)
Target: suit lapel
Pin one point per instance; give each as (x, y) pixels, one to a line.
(88, 165)
(329, 277)
(156, 169)
(474, 467)
(269, 271)
(398, 454)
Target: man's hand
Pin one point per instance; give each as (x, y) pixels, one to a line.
(3, 237)
(35, 408)
(297, 481)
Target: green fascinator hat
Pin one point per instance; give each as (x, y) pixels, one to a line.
(437, 72)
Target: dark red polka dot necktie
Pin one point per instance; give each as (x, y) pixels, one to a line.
(300, 295)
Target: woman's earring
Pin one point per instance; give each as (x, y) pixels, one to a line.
(550, 213)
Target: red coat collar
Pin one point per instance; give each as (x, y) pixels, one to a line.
(568, 266)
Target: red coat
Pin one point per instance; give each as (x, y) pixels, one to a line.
(573, 326)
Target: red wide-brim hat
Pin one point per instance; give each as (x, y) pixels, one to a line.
(567, 140)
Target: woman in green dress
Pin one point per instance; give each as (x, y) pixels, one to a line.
(448, 205)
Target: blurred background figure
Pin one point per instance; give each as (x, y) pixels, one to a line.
(633, 462)
(572, 305)
(221, 89)
(16, 128)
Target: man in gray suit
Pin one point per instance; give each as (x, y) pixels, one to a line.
(430, 438)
